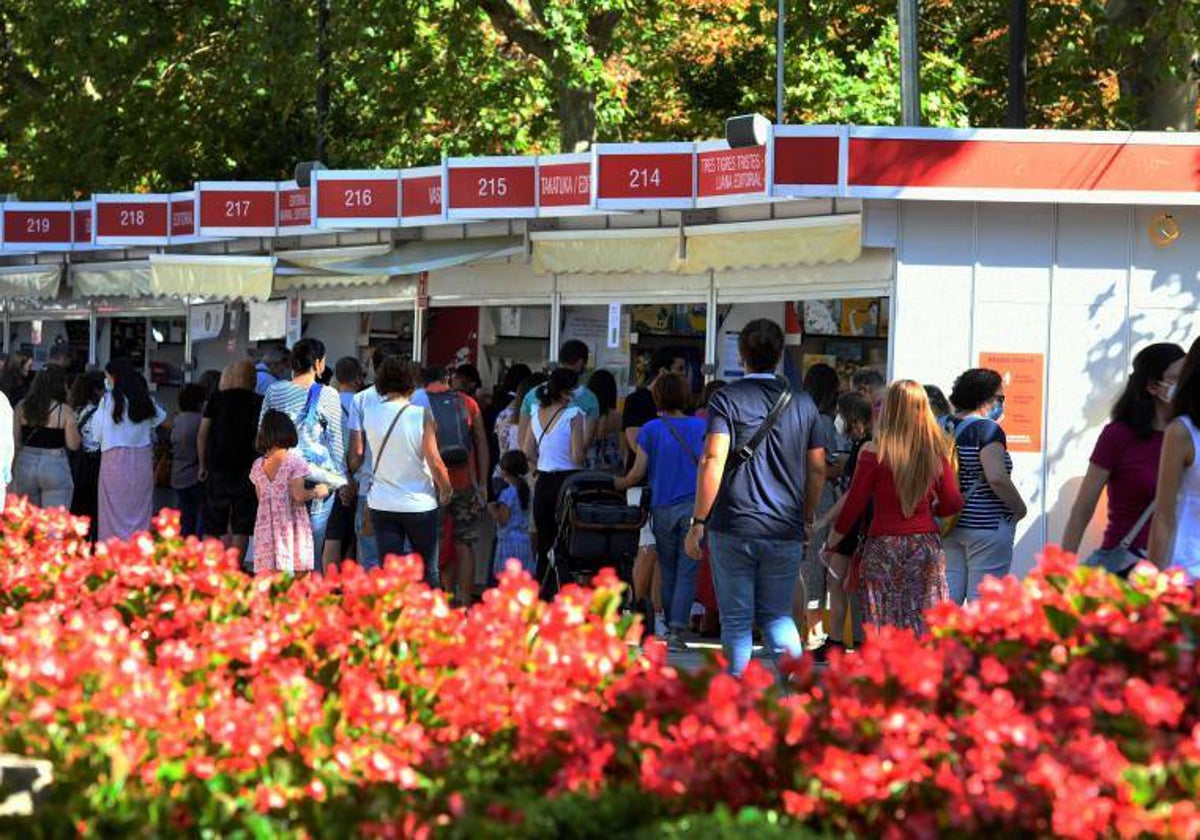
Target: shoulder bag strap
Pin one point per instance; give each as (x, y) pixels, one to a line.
(549, 426)
(310, 402)
(675, 433)
(745, 452)
(979, 481)
(377, 459)
(1137, 527)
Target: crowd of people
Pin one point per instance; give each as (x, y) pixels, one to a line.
(832, 504)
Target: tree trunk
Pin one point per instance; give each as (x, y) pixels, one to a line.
(576, 117)
(1160, 74)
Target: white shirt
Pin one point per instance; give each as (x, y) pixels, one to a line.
(354, 422)
(1185, 551)
(402, 482)
(554, 448)
(126, 434)
(6, 443)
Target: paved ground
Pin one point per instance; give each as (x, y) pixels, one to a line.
(698, 651)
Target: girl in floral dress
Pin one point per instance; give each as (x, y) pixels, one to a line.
(511, 514)
(283, 537)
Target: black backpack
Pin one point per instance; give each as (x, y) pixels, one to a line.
(449, 411)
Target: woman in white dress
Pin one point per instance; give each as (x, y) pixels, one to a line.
(1175, 535)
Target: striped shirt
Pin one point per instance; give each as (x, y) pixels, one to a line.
(983, 511)
(291, 399)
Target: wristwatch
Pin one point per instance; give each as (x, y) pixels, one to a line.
(694, 521)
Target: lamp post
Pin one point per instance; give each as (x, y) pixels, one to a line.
(780, 32)
(1018, 28)
(910, 64)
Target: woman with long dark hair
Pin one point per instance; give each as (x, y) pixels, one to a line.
(85, 397)
(14, 376)
(606, 452)
(125, 424)
(822, 383)
(46, 430)
(1125, 462)
(1175, 534)
(555, 447)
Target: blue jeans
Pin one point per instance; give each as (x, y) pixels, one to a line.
(44, 477)
(678, 570)
(368, 546)
(755, 580)
(319, 512)
(972, 555)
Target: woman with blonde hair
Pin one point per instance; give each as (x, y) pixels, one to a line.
(907, 477)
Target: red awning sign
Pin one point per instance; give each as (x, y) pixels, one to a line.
(564, 185)
(183, 218)
(38, 226)
(644, 176)
(421, 196)
(808, 160)
(133, 219)
(727, 176)
(294, 209)
(356, 198)
(491, 188)
(82, 231)
(236, 208)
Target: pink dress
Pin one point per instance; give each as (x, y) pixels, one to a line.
(283, 538)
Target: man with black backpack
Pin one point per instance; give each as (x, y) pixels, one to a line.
(462, 443)
(759, 481)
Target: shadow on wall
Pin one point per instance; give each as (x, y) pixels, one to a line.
(1166, 307)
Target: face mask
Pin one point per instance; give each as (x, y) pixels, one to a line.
(997, 411)
(108, 385)
(1169, 397)
(839, 425)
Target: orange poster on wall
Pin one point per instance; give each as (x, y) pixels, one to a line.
(1024, 377)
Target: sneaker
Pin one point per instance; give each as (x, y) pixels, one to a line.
(660, 625)
(821, 653)
(675, 642)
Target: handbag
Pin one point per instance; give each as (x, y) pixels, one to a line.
(312, 430)
(1119, 559)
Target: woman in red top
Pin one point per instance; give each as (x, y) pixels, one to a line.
(907, 476)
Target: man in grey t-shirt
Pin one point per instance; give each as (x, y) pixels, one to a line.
(756, 515)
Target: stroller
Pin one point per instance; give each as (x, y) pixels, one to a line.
(596, 529)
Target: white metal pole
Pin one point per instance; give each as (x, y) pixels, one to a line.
(710, 329)
(93, 338)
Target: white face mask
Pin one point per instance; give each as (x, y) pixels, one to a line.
(1172, 389)
(839, 425)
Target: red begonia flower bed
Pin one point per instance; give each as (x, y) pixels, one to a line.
(172, 693)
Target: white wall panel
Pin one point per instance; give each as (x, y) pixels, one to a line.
(1089, 352)
(934, 279)
(1013, 258)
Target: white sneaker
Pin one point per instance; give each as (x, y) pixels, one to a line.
(660, 625)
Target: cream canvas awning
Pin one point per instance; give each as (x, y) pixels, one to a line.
(212, 277)
(816, 240)
(30, 282)
(415, 257)
(112, 279)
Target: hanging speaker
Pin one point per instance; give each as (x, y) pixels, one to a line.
(304, 172)
(747, 130)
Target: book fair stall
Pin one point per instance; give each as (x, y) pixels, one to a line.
(1050, 256)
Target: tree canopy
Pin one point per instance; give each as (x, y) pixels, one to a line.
(100, 95)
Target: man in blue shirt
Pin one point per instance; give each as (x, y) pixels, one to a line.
(268, 371)
(756, 515)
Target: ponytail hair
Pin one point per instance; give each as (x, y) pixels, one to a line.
(516, 464)
(562, 381)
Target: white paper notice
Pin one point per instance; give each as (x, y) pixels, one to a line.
(267, 320)
(206, 322)
(614, 325)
